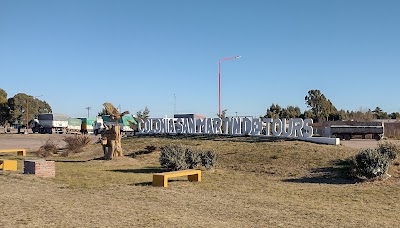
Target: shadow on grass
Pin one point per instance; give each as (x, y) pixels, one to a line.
(143, 171)
(138, 153)
(151, 183)
(338, 174)
(76, 161)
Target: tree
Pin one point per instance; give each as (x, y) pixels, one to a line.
(320, 106)
(103, 112)
(380, 114)
(290, 112)
(274, 111)
(4, 110)
(18, 108)
(394, 115)
(143, 115)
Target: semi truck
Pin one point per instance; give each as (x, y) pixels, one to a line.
(347, 132)
(49, 123)
(74, 125)
(127, 122)
(87, 126)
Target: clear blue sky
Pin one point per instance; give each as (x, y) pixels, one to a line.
(164, 54)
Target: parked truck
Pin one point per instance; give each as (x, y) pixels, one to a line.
(74, 126)
(49, 123)
(127, 122)
(347, 132)
(87, 126)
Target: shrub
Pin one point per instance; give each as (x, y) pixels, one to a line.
(208, 159)
(47, 149)
(388, 149)
(75, 144)
(178, 157)
(193, 158)
(371, 163)
(173, 157)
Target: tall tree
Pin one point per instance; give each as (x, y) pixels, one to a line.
(4, 110)
(320, 106)
(274, 111)
(22, 105)
(380, 114)
(143, 115)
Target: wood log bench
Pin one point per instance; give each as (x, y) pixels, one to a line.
(161, 179)
(21, 152)
(8, 165)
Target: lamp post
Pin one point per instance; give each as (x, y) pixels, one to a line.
(219, 80)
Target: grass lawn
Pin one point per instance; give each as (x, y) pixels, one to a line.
(256, 183)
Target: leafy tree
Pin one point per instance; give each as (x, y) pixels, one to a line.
(103, 112)
(143, 115)
(321, 107)
(361, 115)
(290, 112)
(380, 114)
(4, 110)
(274, 111)
(22, 104)
(394, 115)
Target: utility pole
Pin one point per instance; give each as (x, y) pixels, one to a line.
(88, 109)
(174, 104)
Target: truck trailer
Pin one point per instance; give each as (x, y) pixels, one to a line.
(347, 132)
(49, 123)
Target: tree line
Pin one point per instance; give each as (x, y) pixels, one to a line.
(322, 109)
(17, 109)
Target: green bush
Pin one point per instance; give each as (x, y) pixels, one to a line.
(173, 157)
(208, 159)
(193, 158)
(371, 163)
(388, 149)
(179, 157)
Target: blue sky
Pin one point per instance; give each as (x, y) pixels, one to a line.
(164, 54)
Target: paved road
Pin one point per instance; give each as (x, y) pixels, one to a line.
(31, 142)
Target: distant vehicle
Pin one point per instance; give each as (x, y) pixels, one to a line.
(74, 126)
(127, 122)
(347, 132)
(87, 126)
(49, 123)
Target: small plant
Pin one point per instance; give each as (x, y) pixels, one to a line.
(75, 144)
(178, 157)
(193, 158)
(173, 157)
(47, 149)
(371, 163)
(208, 159)
(388, 149)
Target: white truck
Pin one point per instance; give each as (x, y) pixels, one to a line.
(49, 123)
(127, 123)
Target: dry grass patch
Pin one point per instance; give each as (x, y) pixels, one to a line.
(254, 184)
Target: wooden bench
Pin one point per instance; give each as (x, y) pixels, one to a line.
(161, 179)
(21, 152)
(8, 165)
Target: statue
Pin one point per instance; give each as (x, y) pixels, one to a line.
(111, 137)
